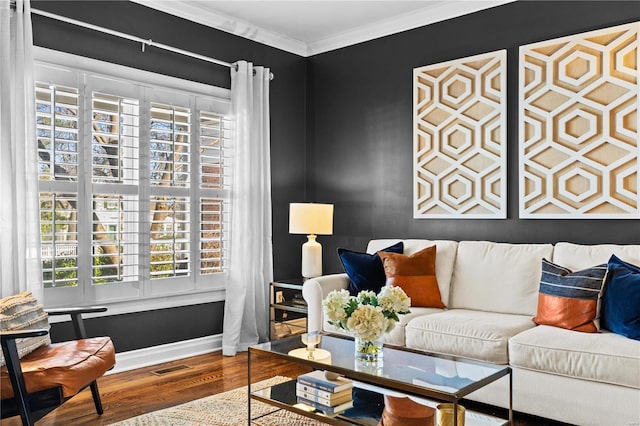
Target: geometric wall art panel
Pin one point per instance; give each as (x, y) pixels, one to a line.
(579, 149)
(459, 138)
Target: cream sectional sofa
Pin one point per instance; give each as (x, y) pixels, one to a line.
(491, 291)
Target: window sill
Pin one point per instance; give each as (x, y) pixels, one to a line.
(150, 304)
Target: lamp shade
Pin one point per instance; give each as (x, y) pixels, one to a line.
(311, 218)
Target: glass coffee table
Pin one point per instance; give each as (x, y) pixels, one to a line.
(426, 378)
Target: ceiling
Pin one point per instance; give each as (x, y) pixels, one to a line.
(310, 27)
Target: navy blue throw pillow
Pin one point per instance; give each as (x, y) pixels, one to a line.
(365, 270)
(620, 311)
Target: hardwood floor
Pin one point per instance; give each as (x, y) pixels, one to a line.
(140, 391)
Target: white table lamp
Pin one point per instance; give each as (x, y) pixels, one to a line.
(311, 219)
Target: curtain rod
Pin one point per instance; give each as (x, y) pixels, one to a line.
(141, 40)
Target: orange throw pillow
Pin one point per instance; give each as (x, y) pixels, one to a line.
(416, 275)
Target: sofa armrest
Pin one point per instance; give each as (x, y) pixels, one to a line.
(314, 290)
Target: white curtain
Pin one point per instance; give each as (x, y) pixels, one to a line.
(20, 267)
(251, 261)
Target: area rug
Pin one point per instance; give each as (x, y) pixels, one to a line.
(224, 409)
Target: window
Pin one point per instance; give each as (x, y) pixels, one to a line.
(133, 181)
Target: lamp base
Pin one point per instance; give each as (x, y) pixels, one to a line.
(311, 258)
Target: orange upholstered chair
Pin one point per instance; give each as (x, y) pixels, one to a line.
(44, 379)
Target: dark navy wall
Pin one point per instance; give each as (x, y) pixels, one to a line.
(150, 328)
(360, 126)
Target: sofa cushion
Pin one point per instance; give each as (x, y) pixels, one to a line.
(445, 257)
(397, 336)
(569, 299)
(498, 277)
(579, 256)
(365, 270)
(23, 312)
(415, 274)
(472, 334)
(621, 299)
(602, 357)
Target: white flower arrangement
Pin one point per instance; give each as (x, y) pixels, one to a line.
(366, 316)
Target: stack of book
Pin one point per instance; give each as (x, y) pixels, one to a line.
(322, 394)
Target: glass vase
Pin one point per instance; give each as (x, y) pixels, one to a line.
(368, 350)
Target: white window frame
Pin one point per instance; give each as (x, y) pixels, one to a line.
(144, 294)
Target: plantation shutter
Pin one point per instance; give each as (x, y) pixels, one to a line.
(215, 143)
(115, 124)
(57, 115)
(170, 153)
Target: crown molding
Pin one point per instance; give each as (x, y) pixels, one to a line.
(439, 11)
(197, 12)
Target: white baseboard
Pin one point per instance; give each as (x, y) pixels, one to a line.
(139, 358)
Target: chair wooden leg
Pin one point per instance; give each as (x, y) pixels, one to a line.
(96, 397)
(17, 380)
